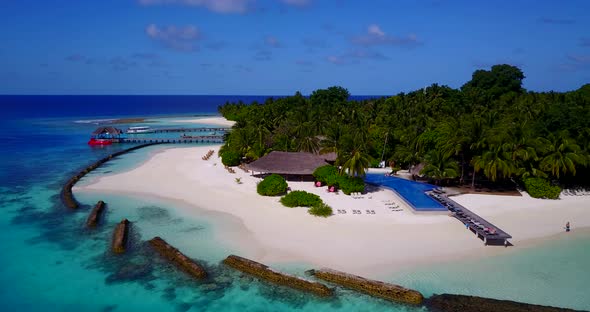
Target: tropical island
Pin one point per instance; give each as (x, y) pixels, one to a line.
(479, 130)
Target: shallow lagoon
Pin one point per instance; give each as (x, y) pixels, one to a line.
(52, 263)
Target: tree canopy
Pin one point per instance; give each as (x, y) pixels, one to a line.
(491, 129)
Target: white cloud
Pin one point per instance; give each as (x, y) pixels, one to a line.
(299, 3)
(374, 29)
(376, 36)
(218, 6)
(177, 38)
(335, 60)
(272, 42)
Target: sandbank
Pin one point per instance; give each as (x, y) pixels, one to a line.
(365, 244)
(218, 121)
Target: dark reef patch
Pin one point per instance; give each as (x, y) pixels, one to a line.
(154, 215)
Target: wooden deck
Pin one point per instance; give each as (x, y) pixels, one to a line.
(483, 229)
(190, 130)
(182, 140)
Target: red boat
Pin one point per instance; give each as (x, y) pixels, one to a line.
(100, 142)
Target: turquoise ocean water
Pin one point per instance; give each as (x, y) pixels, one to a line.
(50, 262)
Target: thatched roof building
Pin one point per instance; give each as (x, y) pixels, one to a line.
(107, 132)
(415, 170)
(288, 163)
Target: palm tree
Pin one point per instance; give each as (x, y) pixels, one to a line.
(355, 162)
(262, 134)
(476, 139)
(240, 140)
(561, 154)
(308, 144)
(330, 143)
(522, 148)
(453, 141)
(495, 162)
(439, 167)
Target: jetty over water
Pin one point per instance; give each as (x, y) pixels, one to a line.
(489, 233)
(181, 140)
(184, 130)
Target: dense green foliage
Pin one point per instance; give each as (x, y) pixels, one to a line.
(320, 210)
(272, 185)
(351, 184)
(230, 158)
(300, 199)
(491, 130)
(541, 188)
(325, 174)
(329, 175)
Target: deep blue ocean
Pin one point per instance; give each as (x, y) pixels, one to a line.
(51, 262)
(121, 105)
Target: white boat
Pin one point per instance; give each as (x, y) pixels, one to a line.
(141, 129)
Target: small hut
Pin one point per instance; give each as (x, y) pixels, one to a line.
(416, 169)
(107, 133)
(291, 165)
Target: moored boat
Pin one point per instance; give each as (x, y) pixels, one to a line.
(139, 129)
(100, 142)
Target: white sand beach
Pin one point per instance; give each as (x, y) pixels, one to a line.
(367, 244)
(218, 121)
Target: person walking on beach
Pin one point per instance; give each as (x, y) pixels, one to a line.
(567, 226)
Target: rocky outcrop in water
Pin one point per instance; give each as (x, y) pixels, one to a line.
(120, 236)
(95, 214)
(66, 194)
(263, 272)
(178, 258)
(452, 303)
(374, 288)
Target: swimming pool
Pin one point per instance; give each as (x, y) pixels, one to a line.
(412, 192)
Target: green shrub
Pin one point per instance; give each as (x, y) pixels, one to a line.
(541, 188)
(349, 185)
(272, 185)
(300, 199)
(230, 158)
(333, 180)
(320, 210)
(323, 173)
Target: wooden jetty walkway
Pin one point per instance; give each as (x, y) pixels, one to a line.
(483, 229)
(164, 130)
(181, 140)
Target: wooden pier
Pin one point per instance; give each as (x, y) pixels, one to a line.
(181, 140)
(483, 229)
(184, 130)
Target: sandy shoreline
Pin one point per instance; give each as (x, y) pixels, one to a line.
(367, 244)
(218, 121)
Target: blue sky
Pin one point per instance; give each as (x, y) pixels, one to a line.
(278, 47)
